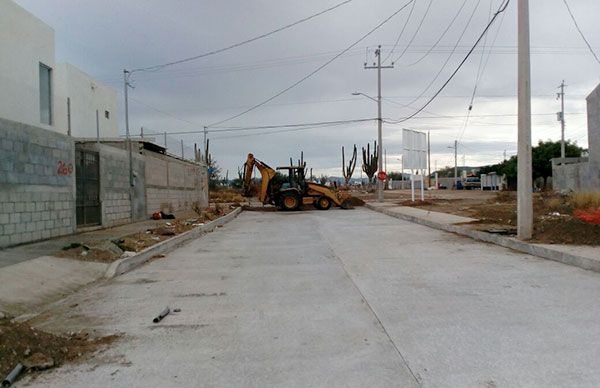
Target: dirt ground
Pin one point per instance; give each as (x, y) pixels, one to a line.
(553, 214)
(110, 250)
(38, 350)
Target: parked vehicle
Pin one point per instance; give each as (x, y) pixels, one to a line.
(472, 182)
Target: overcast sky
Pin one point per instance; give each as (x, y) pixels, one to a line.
(104, 37)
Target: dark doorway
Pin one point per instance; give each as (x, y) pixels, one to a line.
(87, 177)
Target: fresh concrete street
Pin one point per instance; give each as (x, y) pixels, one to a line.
(338, 298)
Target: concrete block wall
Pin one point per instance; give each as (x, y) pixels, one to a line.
(114, 182)
(37, 184)
(173, 184)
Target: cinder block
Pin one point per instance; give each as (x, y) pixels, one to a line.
(15, 218)
(4, 218)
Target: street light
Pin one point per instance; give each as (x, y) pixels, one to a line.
(379, 141)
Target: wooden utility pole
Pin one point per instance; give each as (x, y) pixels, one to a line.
(524, 169)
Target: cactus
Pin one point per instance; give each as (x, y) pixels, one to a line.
(370, 161)
(347, 171)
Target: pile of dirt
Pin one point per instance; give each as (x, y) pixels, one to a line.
(565, 230)
(355, 201)
(417, 203)
(107, 251)
(554, 222)
(38, 350)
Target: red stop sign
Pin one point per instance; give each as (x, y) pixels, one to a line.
(381, 175)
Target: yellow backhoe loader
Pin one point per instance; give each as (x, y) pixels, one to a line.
(292, 194)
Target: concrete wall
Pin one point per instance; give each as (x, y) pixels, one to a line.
(25, 41)
(593, 115)
(582, 174)
(114, 183)
(173, 184)
(37, 184)
(86, 95)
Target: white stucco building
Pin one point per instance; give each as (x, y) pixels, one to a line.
(35, 90)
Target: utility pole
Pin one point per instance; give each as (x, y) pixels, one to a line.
(455, 162)
(205, 156)
(429, 158)
(561, 118)
(524, 169)
(126, 86)
(505, 155)
(97, 127)
(165, 135)
(181, 148)
(142, 132)
(379, 118)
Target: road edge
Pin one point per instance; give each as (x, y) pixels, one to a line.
(507, 242)
(127, 264)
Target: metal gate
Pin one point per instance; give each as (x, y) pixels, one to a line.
(87, 177)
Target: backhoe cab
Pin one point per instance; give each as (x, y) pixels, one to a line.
(294, 192)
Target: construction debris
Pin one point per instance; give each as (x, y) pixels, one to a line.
(13, 375)
(162, 314)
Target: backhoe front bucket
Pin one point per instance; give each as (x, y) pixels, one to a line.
(347, 204)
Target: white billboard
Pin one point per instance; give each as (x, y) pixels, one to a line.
(414, 150)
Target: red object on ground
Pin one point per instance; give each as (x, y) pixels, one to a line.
(589, 216)
(381, 175)
(156, 216)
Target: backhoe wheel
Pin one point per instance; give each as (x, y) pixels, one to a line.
(290, 201)
(323, 203)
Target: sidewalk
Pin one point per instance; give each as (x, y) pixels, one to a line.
(586, 257)
(30, 277)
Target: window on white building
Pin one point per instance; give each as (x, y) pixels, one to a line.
(45, 94)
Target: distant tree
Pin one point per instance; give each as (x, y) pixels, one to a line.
(541, 158)
(323, 179)
(543, 154)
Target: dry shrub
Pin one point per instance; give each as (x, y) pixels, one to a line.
(554, 204)
(585, 200)
(226, 196)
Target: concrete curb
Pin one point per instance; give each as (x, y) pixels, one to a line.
(121, 266)
(507, 242)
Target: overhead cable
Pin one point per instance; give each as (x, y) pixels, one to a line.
(502, 8)
(309, 75)
(412, 39)
(213, 52)
(449, 56)
(581, 32)
(401, 31)
(442, 35)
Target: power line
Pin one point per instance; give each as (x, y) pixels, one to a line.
(412, 39)
(316, 70)
(250, 128)
(480, 70)
(162, 66)
(449, 56)
(442, 35)
(500, 10)
(581, 32)
(402, 30)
